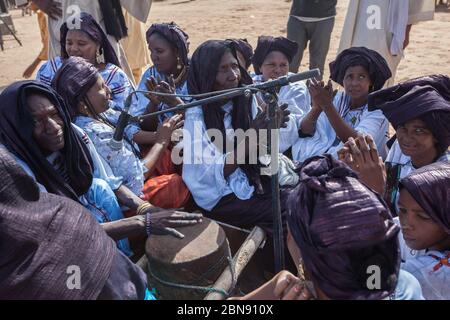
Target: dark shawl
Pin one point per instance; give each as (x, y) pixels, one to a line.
(430, 188)
(426, 98)
(16, 133)
(370, 60)
(174, 35)
(245, 49)
(93, 29)
(41, 235)
(201, 78)
(113, 18)
(267, 44)
(73, 80)
(342, 227)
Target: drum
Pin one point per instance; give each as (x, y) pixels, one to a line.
(176, 267)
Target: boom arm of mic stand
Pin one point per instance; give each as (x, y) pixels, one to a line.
(228, 95)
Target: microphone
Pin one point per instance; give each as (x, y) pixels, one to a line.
(285, 80)
(245, 90)
(116, 142)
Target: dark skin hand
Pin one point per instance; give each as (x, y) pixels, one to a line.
(322, 97)
(163, 222)
(362, 156)
(259, 123)
(154, 85)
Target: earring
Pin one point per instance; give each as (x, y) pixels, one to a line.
(99, 58)
(179, 66)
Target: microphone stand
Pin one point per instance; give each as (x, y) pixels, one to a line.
(270, 96)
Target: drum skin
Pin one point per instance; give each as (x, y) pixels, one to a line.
(196, 260)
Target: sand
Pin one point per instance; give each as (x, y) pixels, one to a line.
(428, 52)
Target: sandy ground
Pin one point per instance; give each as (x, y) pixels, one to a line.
(429, 50)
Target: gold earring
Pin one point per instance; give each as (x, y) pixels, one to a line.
(99, 58)
(178, 63)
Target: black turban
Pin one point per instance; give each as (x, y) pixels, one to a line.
(267, 44)
(174, 35)
(430, 188)
(73, 80)
(426, 98)
(342, 227)
(370, 60)
(16, 133)
(245, 49)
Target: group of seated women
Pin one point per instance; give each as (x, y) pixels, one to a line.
(351, 196)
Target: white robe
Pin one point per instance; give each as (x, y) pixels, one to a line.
(383, 32)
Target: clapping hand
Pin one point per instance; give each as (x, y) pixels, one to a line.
(321, 95)
(362, 156)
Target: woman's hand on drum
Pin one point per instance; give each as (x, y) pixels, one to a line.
(164, 222)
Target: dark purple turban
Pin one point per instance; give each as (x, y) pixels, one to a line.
(174, 35)
(426, 98)
(342, 227)
(245, 49)
(267, 44)
(430, 188)
(73, 80)
(96, 33)
(41, 235)
(370, 60)
(16, 133)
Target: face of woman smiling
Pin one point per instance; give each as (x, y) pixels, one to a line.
(417, 141)
(80, 44)
(48, 130)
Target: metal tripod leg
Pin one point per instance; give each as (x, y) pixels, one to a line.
(11, 31)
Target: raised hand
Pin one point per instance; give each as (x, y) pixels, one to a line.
(165, 130)
(151, 85)
(362, 156)
(321, 95)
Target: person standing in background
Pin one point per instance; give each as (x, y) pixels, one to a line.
(311, 21)
(43, 55)
(108, 14)
(383, 26)
(135, 45)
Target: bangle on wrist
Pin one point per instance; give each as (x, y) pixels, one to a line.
(142, 208)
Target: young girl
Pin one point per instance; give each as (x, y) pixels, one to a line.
(424, 214)
(334, 118)
(340, 231)
(419, 110)
(86, 96)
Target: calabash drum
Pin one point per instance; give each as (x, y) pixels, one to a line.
(175, 265)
